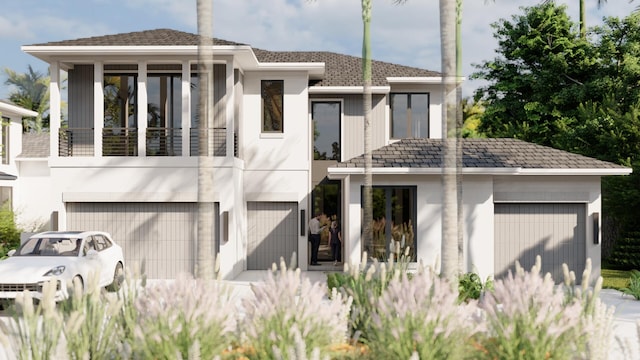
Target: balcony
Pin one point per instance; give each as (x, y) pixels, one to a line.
(77, 142)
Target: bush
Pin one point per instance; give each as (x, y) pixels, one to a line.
(290, 318)
(9, 232)
(470, 286)
(422, 318)
(633, 286)
(364, 283)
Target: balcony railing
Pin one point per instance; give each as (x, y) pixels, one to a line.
(164, 142)
(76, 142)
(159, 142)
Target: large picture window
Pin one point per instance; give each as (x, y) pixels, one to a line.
(272, 106)
(409, 115)
(326, 130)
(5, 140)
(394, 219)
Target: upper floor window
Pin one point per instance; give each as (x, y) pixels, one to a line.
(120, 99)
(326, 130)
(272, 105)
(164, 97)
(409, 115)
(5, 140)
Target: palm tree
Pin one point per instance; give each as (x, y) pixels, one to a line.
(31, 92)
(205, 259)
(367, 193)
(451, 241)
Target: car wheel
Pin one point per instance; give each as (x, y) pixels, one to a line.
(118, 278)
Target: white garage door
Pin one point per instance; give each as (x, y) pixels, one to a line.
(556, 232)
(272, 233)
(161, 234)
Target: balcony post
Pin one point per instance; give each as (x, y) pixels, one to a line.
(98, 107)
(54, 108)
(142, 108)
(186, 108)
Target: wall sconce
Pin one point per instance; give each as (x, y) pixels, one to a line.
(596, 228)
(303, 222)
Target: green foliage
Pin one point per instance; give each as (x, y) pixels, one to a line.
(470, 286)
(614, 279)
(31, 92)
(9, 232)
(626, 252)
(633, 288)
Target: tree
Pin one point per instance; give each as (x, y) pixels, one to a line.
(367, 218)
(31, 92)
(205, 259)
(538, 80)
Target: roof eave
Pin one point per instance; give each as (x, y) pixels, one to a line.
(11, 109)
(425, 80)
(338, 172)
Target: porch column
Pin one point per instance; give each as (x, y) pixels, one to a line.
(54, 108)
(98, 107)
(186, 108)
(230, 107)
(142, 108)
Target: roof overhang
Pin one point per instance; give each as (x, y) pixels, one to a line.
(5, 176)
(315, 70)
(10, 109)
(340, 172)
(427, 80)
(347, 89)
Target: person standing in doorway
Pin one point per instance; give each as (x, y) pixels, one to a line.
(335, 241)
(314, 237)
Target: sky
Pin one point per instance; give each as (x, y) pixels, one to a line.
(406, 34)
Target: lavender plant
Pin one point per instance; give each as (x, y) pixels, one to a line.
(177, 318)
(421, 317)
(288, 311)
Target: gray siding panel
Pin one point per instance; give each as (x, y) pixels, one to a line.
(556, 232)
(272, 233)
(161, 234)
(80, 93)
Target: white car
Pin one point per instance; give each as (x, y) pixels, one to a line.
(68, 257)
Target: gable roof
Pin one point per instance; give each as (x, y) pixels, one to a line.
(340, 70)
(35, 145)
(478, 154)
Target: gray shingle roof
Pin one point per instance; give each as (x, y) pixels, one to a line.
(35, 145)
(479, 153)
(340, 70)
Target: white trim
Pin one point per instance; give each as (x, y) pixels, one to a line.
(347, 89)
(415, 80)
(12, 109)
(272, 197)
(132, 197)
(336, 172)
(311, 68)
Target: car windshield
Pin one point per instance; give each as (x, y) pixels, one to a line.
(50, 247)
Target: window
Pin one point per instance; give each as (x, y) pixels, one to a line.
(120, 99)
(164, 115)
(326, 130)
(394, 219)
(272, 106)
(409, 115)
(5, 140)
(6, 196)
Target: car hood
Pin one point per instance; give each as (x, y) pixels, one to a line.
(28, 269)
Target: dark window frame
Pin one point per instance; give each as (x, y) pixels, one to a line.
(271, 107)
(409, 119)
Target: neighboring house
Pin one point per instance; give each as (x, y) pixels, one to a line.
(287, 141)
(10, 146)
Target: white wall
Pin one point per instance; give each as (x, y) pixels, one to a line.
(33, 196)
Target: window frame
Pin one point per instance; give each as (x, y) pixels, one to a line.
(6, 140)
(409, 119)
(264, 110)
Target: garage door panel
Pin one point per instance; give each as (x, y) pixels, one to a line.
(160, 234)
(272, 233)
(556, 232)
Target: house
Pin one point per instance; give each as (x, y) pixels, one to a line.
(287, 141)
(11, 191)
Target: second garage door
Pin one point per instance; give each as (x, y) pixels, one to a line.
(272, 233)
(556, 232)
(161, 234)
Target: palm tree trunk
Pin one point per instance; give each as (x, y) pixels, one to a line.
(583, 21)
(204, 248)
(449, 140)
(459, 122)
(367, 218)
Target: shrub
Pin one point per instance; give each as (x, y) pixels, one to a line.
(422, 318)
(364, 283)
(633, 286)
(470, 286)
(529, 317)
(9, 232)
(289, 313)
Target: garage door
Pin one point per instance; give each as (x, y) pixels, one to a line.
(556, 232)
(162, 234)
(272, 233)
